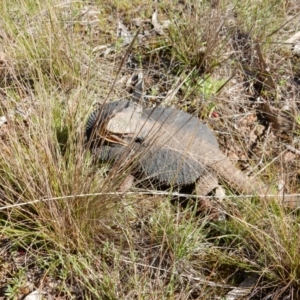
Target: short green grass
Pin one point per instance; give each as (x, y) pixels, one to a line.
(66, 215)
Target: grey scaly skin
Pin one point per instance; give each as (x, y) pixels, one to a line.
(170, 146)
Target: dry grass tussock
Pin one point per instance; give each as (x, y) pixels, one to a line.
(64, 228)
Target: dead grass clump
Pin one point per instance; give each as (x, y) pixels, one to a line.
(197, 37)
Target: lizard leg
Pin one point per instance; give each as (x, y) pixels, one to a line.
(206, 183)
(126, 184)
(204, 186)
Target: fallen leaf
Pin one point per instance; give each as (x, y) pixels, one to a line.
(3, 120)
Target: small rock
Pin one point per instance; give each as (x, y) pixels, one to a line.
(35, 295)
(289, 156)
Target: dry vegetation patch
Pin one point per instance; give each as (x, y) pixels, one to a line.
(64, 228)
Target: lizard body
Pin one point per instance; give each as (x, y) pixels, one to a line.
(171, 146)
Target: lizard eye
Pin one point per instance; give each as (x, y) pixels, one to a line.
(139, 140)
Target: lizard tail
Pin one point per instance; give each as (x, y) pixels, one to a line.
(236, 178)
